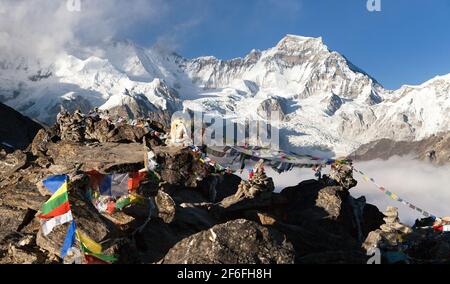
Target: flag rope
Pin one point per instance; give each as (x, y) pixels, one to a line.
(395, 197)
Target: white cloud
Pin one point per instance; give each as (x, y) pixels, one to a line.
(33, 27)
(419, 183)
(42, 28)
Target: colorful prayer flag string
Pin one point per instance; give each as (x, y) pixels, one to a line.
(395, 197)
(56, 211)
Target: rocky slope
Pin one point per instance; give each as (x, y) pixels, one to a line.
(309, 223)
(327, 103)
(16, 131)
(435, 149)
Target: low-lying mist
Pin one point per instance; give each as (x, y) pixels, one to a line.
(417, 182)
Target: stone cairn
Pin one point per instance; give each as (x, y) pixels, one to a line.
(259, 184)
(71, 127)
(390, 234)
(393, 230)
(342, 175)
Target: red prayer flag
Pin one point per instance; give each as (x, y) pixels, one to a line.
(135, 180)
(93, 260)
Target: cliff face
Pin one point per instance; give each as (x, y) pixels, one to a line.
(16, 130)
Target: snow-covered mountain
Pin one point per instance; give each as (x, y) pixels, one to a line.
(327, 103)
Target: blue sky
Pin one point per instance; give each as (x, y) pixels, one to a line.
(408, 42)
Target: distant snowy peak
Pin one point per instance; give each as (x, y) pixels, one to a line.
(439, 84)
(296, 66)
(117, 72)
(326, 102)
(295, 49)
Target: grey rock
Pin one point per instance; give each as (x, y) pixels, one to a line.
(105, 157)
(235, 242)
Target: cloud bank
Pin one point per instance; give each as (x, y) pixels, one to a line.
(420, 183)
(43, 28)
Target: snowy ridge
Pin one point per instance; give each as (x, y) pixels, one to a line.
(329, 105)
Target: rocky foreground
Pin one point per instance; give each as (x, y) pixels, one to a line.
(243, 222)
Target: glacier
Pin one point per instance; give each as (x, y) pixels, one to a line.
(329, 106)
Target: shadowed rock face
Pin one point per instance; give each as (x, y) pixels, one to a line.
(319, 219)
(333, 103)
(272, 105)
(435, 149)
(15, 129)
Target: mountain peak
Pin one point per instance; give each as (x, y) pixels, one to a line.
(299, 37)
(294, 42)
(300, 74)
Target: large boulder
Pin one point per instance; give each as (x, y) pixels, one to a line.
(331, 208)
(224, 186)
(309, 239)
(9, 164)
(236, 242)
(313, 201)
(179, 167)
(105, 157)
(10, 221)
(319, 219)
(22, 195)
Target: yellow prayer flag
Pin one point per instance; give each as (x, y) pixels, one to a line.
(59, 192)
(90, 244)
